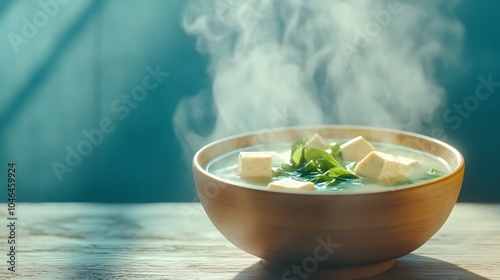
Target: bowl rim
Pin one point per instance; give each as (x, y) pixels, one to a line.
(453, 172)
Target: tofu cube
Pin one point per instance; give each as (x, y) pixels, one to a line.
(381, 167)
(255, 165)
(290, 184)
(356, 149)
(316, 141)
(408, 162)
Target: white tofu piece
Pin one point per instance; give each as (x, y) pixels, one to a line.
(356, 149)
(382, 167)
(316, 141)
(290, 184)
(409, 162)
(255, 165)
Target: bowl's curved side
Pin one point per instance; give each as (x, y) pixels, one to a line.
(350, 229)
(334, 229)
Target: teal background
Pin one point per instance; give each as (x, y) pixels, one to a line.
(67, 76)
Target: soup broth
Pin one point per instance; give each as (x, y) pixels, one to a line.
(225, 167)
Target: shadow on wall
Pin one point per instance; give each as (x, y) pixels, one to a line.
(87, 114)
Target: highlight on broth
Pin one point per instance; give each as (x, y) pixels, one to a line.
(315, 164)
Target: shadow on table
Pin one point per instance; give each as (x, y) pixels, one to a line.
(408, 267)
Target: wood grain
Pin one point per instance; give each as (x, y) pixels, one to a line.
(177, 241)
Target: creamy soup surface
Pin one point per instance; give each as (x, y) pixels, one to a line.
(225, 167)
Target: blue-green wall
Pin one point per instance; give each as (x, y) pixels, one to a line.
(72, 73)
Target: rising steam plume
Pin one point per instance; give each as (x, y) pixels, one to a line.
(299, 62)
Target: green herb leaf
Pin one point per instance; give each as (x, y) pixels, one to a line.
(322, 167)
(321, 178)
(334, 149)
(307, 169)
(297, 156)
(289, 168)
(315, 153)
(341, 172)
(434, 172)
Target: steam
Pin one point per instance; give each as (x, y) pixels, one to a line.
(300, 62)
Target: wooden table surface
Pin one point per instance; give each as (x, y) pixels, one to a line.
(177, 241)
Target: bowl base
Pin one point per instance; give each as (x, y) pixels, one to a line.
(287, 271)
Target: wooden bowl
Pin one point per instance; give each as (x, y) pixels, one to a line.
(328, 234)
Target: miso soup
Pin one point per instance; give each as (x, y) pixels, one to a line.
(429, 167)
